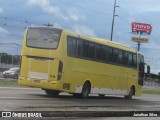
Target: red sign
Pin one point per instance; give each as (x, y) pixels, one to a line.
(141, 28)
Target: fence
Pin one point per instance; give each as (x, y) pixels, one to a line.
(152, 82)
(6, 66)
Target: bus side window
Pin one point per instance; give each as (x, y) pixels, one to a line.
(79, 48)
(91, 50)
(98, 51)
(130, 59)
(115, 55)
(134, 60)
(120, 56)
(71, 46)
(125, 58)
(85, 48)
(110, 54)
(104, 52)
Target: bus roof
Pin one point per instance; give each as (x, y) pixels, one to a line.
(97, 40)
(111, 42)
(103, 41)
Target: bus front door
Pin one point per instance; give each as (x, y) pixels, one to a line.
(141, 70)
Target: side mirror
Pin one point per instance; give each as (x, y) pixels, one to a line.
(148, 69)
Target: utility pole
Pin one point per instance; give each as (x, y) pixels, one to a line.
(139, 43)
(114, 9)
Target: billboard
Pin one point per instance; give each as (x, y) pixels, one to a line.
(141, 28)
(140, 40)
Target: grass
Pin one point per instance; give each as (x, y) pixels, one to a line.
(156, 92)
(8, 83)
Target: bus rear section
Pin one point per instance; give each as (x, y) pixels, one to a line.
(40, 66)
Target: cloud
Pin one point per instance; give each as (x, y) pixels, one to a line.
(3, 31)
(144, 5)
(46, 7)
(1, 10)
(72, 14)
(84, 30)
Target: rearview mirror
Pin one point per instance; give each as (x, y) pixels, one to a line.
(148, 69)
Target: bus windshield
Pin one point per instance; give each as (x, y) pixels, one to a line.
(44, 38)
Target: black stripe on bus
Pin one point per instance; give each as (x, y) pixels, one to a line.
(40, 58)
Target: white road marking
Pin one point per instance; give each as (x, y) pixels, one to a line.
(23, 98)
(10, 97)
(19, 88)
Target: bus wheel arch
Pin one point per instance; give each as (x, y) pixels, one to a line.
(131, 93)
(86, 89)
(134, 90)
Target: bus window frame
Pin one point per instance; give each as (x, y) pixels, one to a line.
(107, 61)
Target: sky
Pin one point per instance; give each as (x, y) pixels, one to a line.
(92, 18)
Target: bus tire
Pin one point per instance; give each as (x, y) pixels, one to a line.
(101, 95)
(86, 90)
(52, 93)
(76, 95)
(131, 93)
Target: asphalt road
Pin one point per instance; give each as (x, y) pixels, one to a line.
(33, 99)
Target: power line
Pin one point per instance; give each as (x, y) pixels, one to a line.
(25, 22)
(98, 1)
(124, 20)
(6, 19)
(13, 35)
(127, 14)
(102, 3)
(91, 10)
(10, 43)
(17, 20)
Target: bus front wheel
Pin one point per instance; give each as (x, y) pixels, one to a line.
(86, 90)
(52, 93)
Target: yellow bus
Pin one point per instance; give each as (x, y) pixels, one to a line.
(58, 60)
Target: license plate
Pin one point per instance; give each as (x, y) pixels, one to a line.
(36, 81)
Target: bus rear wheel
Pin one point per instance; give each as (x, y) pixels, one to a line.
(86, 90)
(101, 95)
(131, 93)
(76, 95)
(52, 93)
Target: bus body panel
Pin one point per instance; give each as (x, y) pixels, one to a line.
(39, 68)
(101, 78)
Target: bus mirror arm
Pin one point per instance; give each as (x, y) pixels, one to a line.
(148, 69)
